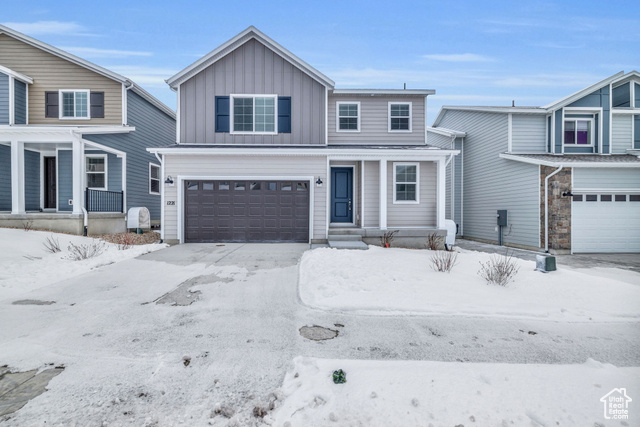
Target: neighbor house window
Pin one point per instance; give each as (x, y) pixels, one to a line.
(348, 119)
(96, 170)
(75, 104)
(399, 117)
(405, 183)
(578, 132)
(154, 179)
(254, 114)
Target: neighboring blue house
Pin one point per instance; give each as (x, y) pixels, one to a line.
(73, 139)
(568, 173)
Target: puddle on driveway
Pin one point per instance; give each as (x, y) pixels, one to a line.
(32, 302)
(318, 333)
(183, 295)
(18, 388)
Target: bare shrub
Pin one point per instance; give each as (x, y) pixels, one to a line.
(52, 245)
(86, 251)
(387, 238)
(444, 261)
(434, 241)
(499, 270)
(124, 241)
(26, 226)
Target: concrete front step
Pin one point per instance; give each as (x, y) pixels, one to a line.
(345, 237)
(348, 244)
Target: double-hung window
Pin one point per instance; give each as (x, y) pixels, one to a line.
(75, 104)
(348, 117)
(399, 117)
(96, 171)
(154, 179)
(254, 114)
(578, 132)
(406, 179)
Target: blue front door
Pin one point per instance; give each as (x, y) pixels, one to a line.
(342, 195)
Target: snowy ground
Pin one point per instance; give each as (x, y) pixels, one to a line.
(124, 354)
(27, 265)
(402, 393)
(400, 281)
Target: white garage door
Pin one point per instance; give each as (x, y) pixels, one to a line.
(605, 223)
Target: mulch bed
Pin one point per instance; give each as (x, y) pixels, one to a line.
(130, 238)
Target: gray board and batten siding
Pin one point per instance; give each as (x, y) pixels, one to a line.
(32, 179)
(596, 99)
(5, 178)
(492, 183)
(154, 128)
(20, 102)
(4, 99)
(374, 120)
(254, 69)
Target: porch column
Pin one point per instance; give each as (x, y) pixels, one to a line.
(441, 193)
(78, 175)
(383, 194)
(17, 177)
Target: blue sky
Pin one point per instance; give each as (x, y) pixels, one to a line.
(471, 53)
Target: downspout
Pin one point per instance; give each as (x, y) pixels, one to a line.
(162, 184)
(546, 208)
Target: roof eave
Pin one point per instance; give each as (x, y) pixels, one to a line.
(579, 94)
(423, 92)
(559, 163)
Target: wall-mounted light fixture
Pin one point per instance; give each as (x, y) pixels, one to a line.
(319, 182)
(567, 194)
(169, 180)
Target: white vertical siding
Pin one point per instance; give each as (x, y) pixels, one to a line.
(622, 137)
(210, 165)
(528, 135)
(492, 183)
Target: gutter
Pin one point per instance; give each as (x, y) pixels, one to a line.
(546, 208)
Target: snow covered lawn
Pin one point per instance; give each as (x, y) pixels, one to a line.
(386, 393)
(397, 281)
(27, 266)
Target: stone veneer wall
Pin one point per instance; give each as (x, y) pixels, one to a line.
(559, 209)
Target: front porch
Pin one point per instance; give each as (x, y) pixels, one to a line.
(97, 222)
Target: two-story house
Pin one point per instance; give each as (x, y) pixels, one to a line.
(270, 151)
(73, 139)
(568, 173)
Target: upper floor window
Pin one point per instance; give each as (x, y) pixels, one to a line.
(75, 104)
(578, 132)
(406, 178)
(348, 117)
(254, 114)
(399, 117)
(96, 170)
(621, 96)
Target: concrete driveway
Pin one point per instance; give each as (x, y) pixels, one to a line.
(200, 325)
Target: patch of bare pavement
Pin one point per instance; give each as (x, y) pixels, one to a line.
(18, 388)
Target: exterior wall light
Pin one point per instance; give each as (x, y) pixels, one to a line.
(169, 180)
(319, 182)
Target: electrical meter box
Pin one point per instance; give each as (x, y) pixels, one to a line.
(502, 217)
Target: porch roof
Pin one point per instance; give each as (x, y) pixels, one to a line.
(577, 160)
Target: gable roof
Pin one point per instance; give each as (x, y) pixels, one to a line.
(586, 91)
(237, 41)
(16, 75)
(88, 65)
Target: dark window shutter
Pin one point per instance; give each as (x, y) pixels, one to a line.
(51, 104)
(284, 114)
(97, 105)
(222, 114)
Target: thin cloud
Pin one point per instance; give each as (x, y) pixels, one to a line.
(47, 27)
(143, 75)
(90, 52)
(459, 57)
(548, 80)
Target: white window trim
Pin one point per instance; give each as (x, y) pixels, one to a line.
(410, 118)
(106, 169)
(74, 91)
(254, 96)
(152, 165)
(581, 119)
(338, 116)
(417, 183)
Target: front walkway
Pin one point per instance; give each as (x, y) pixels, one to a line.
(626, 261)
(131, 356)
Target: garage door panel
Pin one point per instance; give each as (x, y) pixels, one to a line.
(605, 224)
(246, 211)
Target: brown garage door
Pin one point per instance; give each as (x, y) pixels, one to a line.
(246, 211)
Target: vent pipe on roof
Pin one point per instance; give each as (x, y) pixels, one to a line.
(405, 86)
(513, 103)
